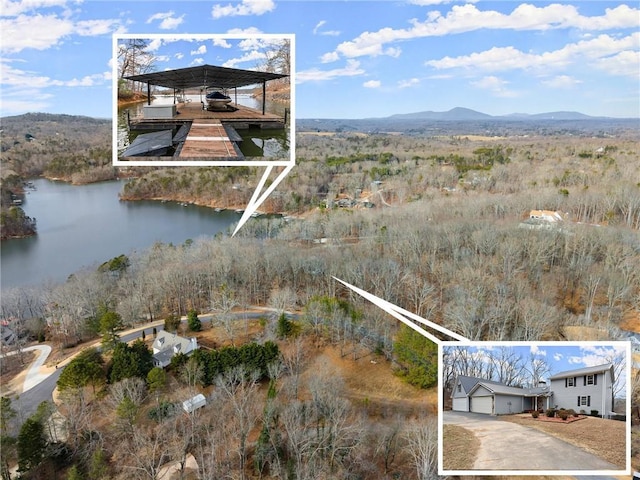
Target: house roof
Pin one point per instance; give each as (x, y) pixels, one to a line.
(205, 76)
(469, 382)
(499, 388)
(584, 371)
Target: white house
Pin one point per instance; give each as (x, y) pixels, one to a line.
(167, 344)
(546, 215)
(587, 389)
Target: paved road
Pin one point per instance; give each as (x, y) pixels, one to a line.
(509, 446)
(38, 387)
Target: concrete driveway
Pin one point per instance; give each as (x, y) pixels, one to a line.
(509, 446)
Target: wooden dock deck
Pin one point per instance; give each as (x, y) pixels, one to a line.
(243, 117)
(204, 134)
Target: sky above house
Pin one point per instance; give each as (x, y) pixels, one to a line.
(354, 59)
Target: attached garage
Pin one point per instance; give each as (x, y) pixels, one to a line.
(460, 404)
(482, 405)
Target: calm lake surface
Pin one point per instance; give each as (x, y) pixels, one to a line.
(81, 226)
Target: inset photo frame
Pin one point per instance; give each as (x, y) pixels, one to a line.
(204, 100)
(535, 408)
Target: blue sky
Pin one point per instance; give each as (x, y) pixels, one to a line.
(354, 59)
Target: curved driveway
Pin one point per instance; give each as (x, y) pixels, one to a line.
(509, 446)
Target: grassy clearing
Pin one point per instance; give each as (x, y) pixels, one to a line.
(460, 447)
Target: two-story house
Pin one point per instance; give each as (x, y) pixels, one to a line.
(589, 388)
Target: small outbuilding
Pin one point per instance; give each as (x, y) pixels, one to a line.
(194, 403)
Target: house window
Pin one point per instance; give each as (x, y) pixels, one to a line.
(583, 401)
(570, 382)
(590, 380)
(459, 388)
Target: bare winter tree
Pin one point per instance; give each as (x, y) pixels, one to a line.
(422, 440)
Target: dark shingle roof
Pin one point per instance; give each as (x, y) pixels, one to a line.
(205, 76)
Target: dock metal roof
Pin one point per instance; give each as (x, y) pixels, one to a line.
(205, 76)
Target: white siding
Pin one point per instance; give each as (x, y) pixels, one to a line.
(598, 395)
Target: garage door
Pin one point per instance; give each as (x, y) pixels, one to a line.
(482, 405)
(460, 404)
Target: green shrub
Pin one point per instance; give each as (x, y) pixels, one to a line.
(550, 412)
(594, 413)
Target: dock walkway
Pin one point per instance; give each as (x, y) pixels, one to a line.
(208, 138)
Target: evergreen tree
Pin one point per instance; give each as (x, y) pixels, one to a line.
(194, 323)
(418, 356)
(32, 444)
(110, 324)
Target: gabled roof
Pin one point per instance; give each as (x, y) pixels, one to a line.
(205, 76)
(584, 371)
(494, 387)
(469, 382)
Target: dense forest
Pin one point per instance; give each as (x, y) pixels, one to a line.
(438, 225)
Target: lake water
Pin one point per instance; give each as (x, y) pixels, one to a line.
(87, 225)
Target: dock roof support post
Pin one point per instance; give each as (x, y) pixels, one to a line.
(264, 96)
(148, 94)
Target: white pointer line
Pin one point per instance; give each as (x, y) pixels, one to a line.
(399, 313)
(253, 203)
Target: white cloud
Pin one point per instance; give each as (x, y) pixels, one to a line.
(179, 55)
(201, 50)
(46, 31)
(535, 350)
(167, 20)
(372, 84)
(221, 42)
(428, 3)
(12, 9)
(317, 31)
(351, 69)
(329, 57)
(318, 25)
(162, 58)
(245, 7)
(467, 18)
(197, 61)
(562, 81)
(600, 52)
(247, 57)
(244, 31)
(412, 82)
(558, 356)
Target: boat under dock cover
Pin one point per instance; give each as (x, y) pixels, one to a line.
(153, 143)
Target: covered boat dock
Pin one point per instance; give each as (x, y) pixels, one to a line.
(202, 134)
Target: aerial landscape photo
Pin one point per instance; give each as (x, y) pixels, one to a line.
(355, 240)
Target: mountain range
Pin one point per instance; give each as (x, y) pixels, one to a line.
(460, 114)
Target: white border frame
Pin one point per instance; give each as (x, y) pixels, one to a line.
(204, 163)
(626, 471)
